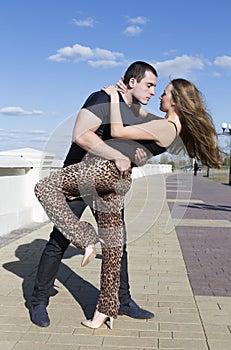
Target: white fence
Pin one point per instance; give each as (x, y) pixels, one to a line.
(20, 170)
(151, 169)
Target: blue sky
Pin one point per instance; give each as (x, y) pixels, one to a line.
(55, 53)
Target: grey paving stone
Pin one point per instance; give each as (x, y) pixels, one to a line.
(182, 276)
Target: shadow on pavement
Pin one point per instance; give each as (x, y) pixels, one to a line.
(26, 267)
(208, 206)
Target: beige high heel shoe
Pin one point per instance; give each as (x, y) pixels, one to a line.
(90, 253)
(98, 320)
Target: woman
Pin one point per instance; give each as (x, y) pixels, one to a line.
(185, 109)
(186, 116)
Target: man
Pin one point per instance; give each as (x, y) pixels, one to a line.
(91, 129)
(195, 168)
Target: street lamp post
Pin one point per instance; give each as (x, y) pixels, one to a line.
(226, 130)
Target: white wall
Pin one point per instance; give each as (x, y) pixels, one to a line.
(19, 205)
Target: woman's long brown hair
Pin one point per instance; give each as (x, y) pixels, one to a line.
(198, 132)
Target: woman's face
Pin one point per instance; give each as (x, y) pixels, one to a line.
(166, 102)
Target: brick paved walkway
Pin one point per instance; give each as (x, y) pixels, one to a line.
(206, 247)
(188, 316)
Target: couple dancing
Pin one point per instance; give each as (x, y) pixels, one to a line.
(104, 174)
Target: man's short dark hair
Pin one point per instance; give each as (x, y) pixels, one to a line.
(137, 70)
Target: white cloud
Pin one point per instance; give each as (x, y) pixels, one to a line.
(135, 29)
(181, 66)
(37, 132)
(106, 54)
(170, 52)
(19, 111)
(18, 133)
(40, 139)
(23, 138)
(215, 74)
(105, 63)
(223, 61)
(76, 52)
(132, 30)
(93, 56)
(138, 20)
(88, 22)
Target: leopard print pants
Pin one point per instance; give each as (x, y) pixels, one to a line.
(100, 178)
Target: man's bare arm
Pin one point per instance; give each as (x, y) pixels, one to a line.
(84, 135)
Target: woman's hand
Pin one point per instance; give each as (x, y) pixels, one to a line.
(140, 157)
(110, 90)
(120, 86)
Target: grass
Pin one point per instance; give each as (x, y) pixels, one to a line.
(222, 178)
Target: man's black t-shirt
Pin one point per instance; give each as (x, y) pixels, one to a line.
(99, 104)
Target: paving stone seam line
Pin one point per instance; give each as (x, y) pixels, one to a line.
(202, 324)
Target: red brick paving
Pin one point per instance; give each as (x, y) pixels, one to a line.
(206, 250)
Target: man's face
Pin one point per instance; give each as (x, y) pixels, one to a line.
(145, 89)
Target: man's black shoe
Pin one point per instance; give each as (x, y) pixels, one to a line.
(39, 315)
(133, 310)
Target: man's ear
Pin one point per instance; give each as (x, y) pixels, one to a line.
(132, 82)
